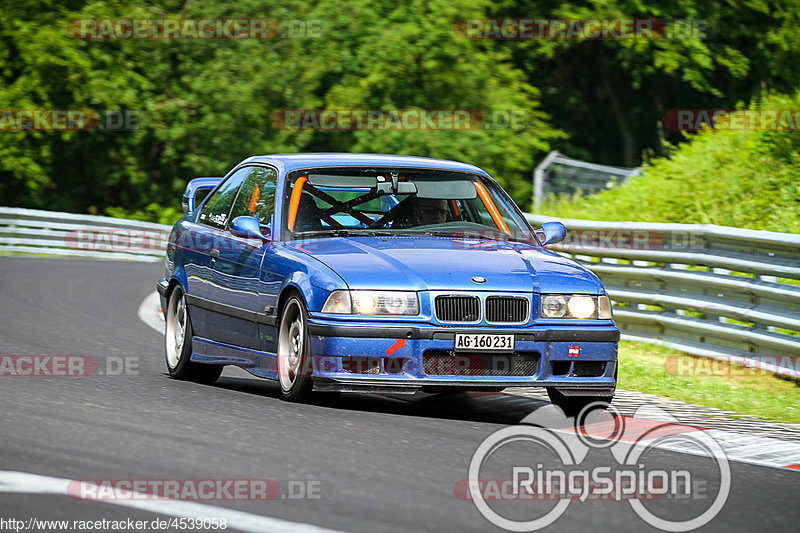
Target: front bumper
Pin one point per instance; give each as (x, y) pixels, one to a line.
(405, 358)
(162, 286)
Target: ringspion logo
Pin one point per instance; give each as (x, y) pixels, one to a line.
(562, 473)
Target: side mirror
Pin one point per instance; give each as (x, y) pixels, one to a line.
(189, 200)
(248, 228)
(553, 232)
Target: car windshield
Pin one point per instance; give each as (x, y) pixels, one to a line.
(336, 202)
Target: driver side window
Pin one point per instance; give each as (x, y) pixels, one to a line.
(257, 195)
(216, 209)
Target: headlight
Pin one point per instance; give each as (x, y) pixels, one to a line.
(554, 306)
(575, 306)
(581, 306)
(372, 303)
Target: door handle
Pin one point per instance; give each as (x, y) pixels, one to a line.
(214, 253)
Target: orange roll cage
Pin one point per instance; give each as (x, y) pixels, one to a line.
(489, 204)
(294, 201)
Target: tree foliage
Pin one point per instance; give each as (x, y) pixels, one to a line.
(204, 105)
(741, 178)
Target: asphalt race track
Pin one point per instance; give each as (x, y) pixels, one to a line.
(377, 463)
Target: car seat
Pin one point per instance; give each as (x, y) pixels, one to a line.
(307, 215)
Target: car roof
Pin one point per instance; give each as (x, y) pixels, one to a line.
(289, 162)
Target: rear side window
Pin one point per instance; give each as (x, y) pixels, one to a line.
(257, 195)
(216, 209)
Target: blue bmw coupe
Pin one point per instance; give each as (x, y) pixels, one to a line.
(358, 272)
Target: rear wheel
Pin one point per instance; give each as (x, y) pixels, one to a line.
(294, 358)
(178, 344)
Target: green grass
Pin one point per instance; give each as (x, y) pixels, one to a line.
(698, 380)
(739, 178)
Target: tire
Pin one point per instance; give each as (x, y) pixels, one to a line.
(178, 344)
(573, 405)
(294, 356)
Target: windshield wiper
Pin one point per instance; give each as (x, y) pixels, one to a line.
(344, 232)
(440, 233)
(325, 233)
(501, 237)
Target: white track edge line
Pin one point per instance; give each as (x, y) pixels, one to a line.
(148, 312)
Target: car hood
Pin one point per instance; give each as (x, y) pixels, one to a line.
(443, 263)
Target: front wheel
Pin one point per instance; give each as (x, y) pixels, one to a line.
(294, 358)
(178, 344)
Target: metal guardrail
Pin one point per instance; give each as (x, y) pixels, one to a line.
(718, 292)
(53, 233)
(713, 291)
(574, 175)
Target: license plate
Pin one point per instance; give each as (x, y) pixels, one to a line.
(478, 342)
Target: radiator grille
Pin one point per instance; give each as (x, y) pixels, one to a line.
(458, 308)
(506, 309)
(444, 363)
